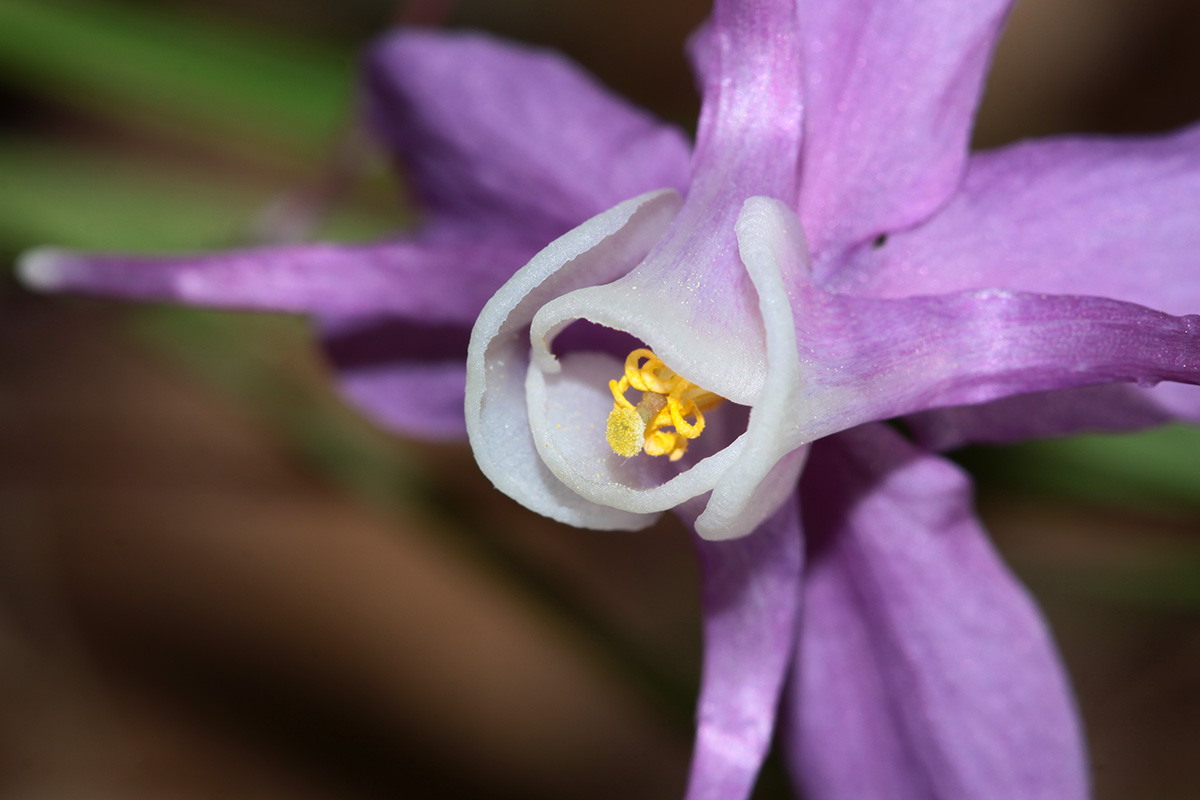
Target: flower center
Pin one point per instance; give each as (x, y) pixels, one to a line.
(667, 402)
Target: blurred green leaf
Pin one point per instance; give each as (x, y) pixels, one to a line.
(1156, 470)
(96, 199)
(168, 69)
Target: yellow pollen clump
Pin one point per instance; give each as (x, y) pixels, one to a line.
(667, 402)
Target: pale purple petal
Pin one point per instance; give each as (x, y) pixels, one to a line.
(748, 137)
(890, 92)
(502, 400)
(510, 136)
(1111, 217)
(751, 605)
(871, 358)
(442, 277)
(924, 671)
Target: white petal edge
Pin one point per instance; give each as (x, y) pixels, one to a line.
(43, 268)
(773, 248)
(598, 251)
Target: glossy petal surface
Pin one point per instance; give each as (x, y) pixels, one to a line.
(871, 359)
(924, 672)
(439, 279)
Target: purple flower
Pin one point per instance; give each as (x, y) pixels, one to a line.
(825, 257)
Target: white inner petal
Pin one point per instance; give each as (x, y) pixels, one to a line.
(600, 250)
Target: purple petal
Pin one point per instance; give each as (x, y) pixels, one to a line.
(1106, 217)
(408, 377)
(395, 317)
(751, 603)
(890, 92)
(1106, 408)
(748, 138)
(923, 671)
(446, 277)
(874, 359)
(512, 136)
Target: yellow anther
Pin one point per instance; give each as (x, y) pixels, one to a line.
(667, 402)
(626, 431)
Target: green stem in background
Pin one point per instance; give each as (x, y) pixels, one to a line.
(174, 73)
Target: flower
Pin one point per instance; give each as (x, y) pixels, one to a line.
(827, 257)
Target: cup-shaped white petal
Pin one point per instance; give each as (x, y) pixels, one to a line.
(537, 421)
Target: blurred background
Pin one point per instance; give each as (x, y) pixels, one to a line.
(215, 580)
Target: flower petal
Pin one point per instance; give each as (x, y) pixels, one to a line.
(750, 477)
(751, 604)
(890, 93)
(1107, 217)
(408, 377)
(443, 277)
(498, 358)
(748, 136)
(923, 669)
(394, 317)
(693, 284)
(773, 249)
(1108, 408)
(866, 359)
(510, 136)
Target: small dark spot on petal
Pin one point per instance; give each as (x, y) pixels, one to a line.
(880, 241)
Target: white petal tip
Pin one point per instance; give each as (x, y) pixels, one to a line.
(43, 268)
(720, 531)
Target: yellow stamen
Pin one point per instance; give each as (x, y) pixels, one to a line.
(667, 402)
